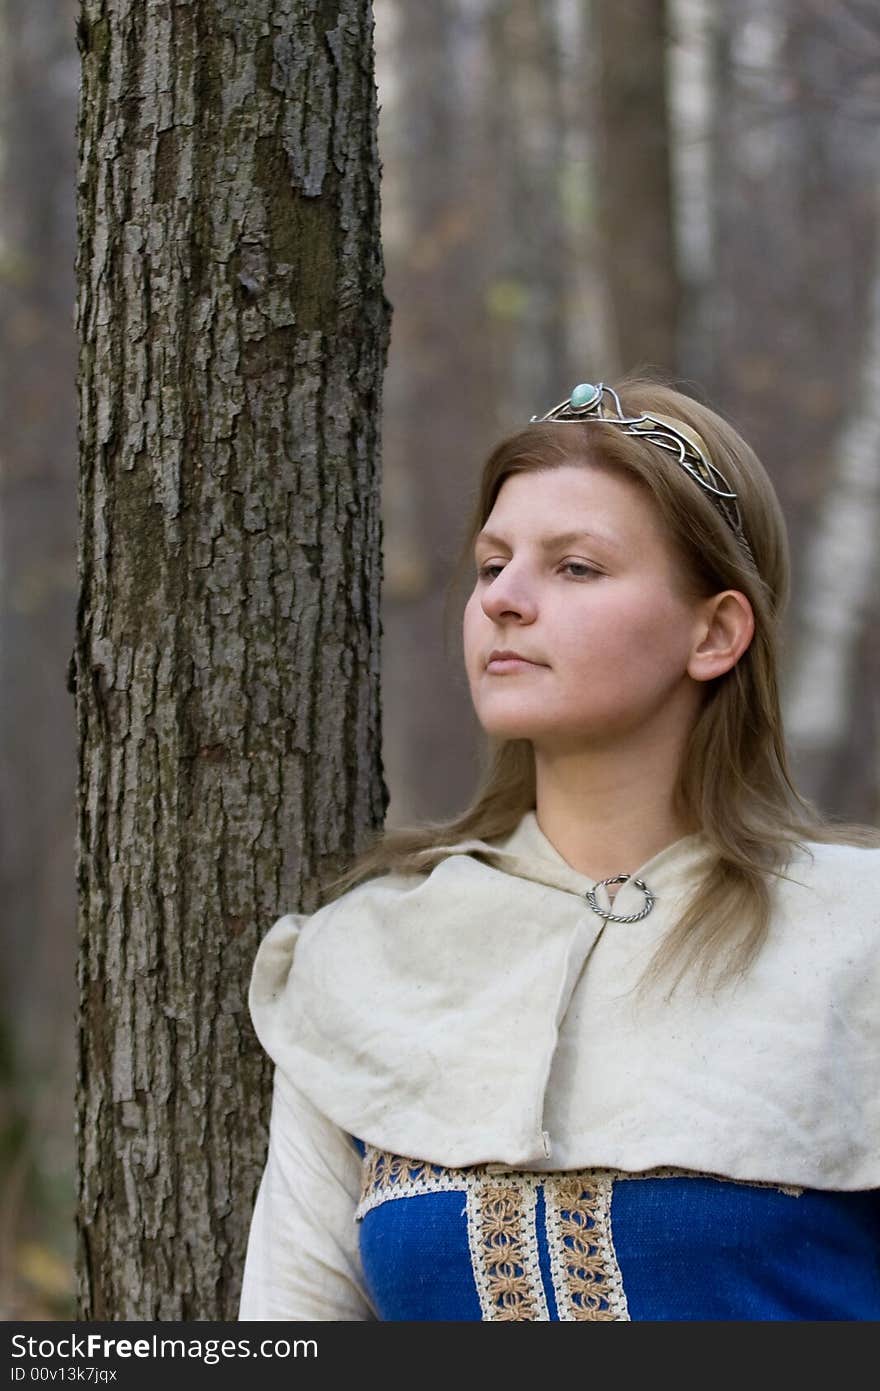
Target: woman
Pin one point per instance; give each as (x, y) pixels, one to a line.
(604, 1046)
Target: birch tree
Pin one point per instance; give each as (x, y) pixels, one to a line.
(233, 332)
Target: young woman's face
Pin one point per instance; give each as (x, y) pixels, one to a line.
(599, 617)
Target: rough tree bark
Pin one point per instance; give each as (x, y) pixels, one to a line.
(233, 334)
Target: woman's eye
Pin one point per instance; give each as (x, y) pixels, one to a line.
(578, 567)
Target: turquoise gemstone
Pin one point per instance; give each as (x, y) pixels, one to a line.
(583, 395)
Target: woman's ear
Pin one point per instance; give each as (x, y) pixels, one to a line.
(725, 628)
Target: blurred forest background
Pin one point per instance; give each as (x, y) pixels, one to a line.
(570, 189)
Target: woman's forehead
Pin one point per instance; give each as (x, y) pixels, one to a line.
(547, 505)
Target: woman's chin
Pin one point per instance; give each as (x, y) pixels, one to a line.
(510, 726)
(546, 735)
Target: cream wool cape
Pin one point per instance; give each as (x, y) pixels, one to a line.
(484, 1013)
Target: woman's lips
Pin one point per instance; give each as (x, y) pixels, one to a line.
(500, 665)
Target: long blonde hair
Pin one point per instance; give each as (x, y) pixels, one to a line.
(734, 782)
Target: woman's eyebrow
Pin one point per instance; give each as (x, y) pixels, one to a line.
(550, 543)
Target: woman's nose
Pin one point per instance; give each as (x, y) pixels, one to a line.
(509, 594)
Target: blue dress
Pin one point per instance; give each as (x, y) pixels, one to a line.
(488, 1243)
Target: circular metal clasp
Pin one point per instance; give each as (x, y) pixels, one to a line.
(590, 896)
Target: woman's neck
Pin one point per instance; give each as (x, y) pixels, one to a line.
(607, 814)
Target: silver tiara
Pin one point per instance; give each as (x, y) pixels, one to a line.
(587, 403)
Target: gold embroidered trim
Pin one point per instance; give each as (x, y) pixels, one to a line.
(504, 1251)
(586, 1277)
(500, 1208)
(386, 1175)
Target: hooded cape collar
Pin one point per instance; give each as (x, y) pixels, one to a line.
(527, 854)
(484, 1012)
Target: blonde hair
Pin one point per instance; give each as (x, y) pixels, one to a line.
(748, 808)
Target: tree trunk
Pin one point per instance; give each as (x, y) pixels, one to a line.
(527, 140)
(796, 323)
(439, 388)
(832, 707)
(233, 334)
(634, 181)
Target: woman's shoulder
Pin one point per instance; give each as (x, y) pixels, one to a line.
(301, 934)
(305, 948)
(822, 862)
(834, 884)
